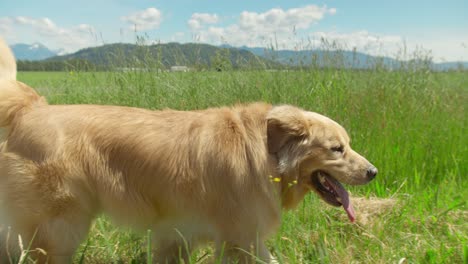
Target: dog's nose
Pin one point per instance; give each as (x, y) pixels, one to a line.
(372, 172)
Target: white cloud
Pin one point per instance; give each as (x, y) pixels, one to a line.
(360, 40)
(147, 19)
(279, 20)
(198, 20)
(256, 29)
(45, 26)
(46, 31)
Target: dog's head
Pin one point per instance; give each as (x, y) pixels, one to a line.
(314, 153)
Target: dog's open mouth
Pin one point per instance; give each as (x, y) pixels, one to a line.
(332, 192)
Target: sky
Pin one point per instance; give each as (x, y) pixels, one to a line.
(397, 28)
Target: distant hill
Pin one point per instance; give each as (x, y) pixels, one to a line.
(445, 66)
(322, 58)
(342, 58)
(32, 52)
(167, 55)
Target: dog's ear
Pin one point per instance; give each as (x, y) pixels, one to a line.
(284, 123)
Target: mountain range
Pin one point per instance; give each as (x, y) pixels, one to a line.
(322, 58)
(33, 52)
(194, 54)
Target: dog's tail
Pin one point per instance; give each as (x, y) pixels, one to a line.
(7, 62)
(15, 97)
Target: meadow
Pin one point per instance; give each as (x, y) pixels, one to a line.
(411, 124)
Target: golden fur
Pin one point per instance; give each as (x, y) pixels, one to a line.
(207, 174)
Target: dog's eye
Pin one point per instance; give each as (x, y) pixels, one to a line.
(339, 149)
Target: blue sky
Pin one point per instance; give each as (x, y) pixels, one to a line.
(439, 28)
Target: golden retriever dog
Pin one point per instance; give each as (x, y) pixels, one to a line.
(218, 175)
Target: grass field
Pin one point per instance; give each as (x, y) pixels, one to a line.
(410, 124)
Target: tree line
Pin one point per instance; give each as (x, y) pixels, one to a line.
(58, 65)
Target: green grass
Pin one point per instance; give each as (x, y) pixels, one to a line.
(410, 124)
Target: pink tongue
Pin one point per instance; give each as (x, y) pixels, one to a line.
(343, 194)
(349, 210)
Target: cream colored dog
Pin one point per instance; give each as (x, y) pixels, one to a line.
(220, 174)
